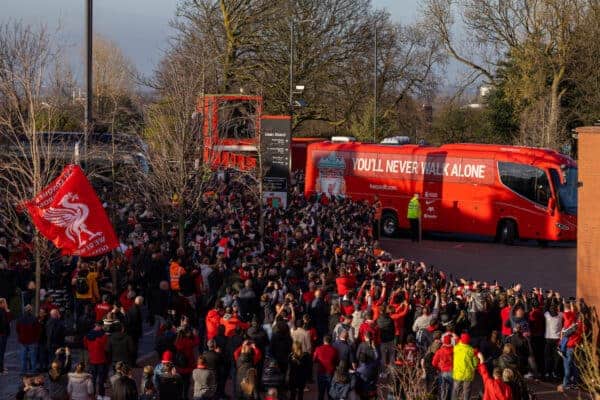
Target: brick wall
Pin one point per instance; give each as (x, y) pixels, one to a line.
(588, 218)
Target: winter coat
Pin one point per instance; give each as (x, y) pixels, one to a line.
(386, 328)
(57, 387)
(186, 345)
(340, 390)
(80, 386)
(272, 376)
(510, 361)
(121, 348)
(124, 388)
(493, 389)
(464, 363)
(298, 370)
(247, 302)
(133, 324)
(443, 359)
(345, 351)
(231, 323)
(205, 382)
(37, 393)
(96, 343)
(28, 329)
(170, 387)
(55, 333)
(259, 337)
(57, 384)
(244, 363)
(281, 346)
(303, 336)
(5, 318)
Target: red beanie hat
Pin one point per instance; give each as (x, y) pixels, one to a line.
(167, 357)
(465, 338)
(447, 340)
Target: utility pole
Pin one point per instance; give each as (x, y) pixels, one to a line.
(89, 7)
(375, 88)
(291, 94)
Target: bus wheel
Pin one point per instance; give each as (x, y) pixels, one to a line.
(389, 224)
(508, 232)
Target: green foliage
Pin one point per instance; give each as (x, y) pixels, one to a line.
(454, 124)
(362, 125)
(501, 117)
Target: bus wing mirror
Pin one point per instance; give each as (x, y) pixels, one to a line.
(551, 206)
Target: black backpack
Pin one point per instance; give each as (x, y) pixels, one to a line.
(81, 285)
(181, 360)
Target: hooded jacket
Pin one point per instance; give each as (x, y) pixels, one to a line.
(212, 320)
(443, 359)
(80, 386)
(464, 363)
(96, 343)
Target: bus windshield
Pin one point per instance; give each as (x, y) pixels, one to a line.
(566, 190)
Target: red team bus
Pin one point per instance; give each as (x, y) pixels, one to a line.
(493, 190)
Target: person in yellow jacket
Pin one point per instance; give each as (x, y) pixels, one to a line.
(463, 369)
(85, 284)
(414, 217)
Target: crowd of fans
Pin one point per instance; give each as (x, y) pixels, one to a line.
(317, 300)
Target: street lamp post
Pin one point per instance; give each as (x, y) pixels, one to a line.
(299, 88)
(89, 7)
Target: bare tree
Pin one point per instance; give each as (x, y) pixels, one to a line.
(115, 99)
(329, 44)
(28, 161)
(535, 35)
(175, 181)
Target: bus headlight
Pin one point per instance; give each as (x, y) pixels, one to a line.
(562, 227)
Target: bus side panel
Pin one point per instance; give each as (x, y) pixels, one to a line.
(459, 193)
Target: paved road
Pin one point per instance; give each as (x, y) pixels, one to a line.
(552, 267)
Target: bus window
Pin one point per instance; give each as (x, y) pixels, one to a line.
(526, 180)
(566, 189)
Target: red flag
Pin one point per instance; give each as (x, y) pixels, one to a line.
(68, 213)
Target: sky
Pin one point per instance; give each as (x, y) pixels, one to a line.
(139, 27)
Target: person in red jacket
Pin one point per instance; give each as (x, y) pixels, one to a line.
(505, 311)
(572, 333)
(369, 325)
(187, 340)
(103, 308)
(246, 346)
(212, 320)
(231, 321)
(345, 282)
(28, 333)
(494, 388)
(443, 360)
(398, 316)
(96, 342)
(326, 358)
